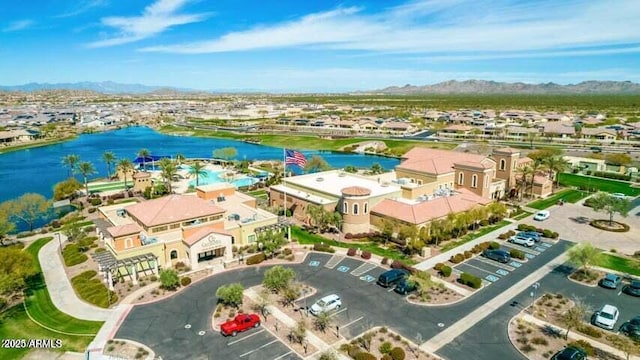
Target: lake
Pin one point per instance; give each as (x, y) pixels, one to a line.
(39, 169)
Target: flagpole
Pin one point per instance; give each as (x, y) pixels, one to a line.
(284, 176)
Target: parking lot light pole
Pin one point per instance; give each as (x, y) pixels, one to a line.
(534, 288)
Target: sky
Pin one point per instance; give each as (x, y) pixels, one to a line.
(317, 45)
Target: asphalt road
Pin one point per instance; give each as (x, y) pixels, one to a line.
(161, 325)
(488, 339)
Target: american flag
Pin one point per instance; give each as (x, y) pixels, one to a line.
(295, 158)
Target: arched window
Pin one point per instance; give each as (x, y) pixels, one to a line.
(461, 178)
(174, 254)
(366, 208)
(345, 207)
(503, 164)
(474, 181)
(355, 209)
(128, 243)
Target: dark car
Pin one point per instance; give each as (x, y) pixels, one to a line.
(570, 353)
(497, 255)
(405, 287)
(611, 281)
(633, 288)
(631, 328)
(531, 234)
(391, 277)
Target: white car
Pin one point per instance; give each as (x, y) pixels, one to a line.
(618, 196)
(542, 215)
(327, 303)
(522, 240)
(606, 317)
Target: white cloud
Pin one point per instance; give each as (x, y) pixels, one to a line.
(19, 25)
(155, 19)
(439, 26)
(82, 7)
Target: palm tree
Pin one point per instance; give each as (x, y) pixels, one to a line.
(197, 170)
(144, 154)
(126, 166)
(497, 209)
(168, 170)
(86, 168)
(555, 165)
(71, 161)
(180, 159)
(109, 158)
(524, 173)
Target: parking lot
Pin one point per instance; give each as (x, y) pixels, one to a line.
(491, 271)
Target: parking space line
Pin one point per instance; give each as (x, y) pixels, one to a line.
(494, 263)
(244, 338)
(261, 347)
(352, 322)
(335, 260)
(338, 312)
(283, 355)
(481, 269)
(363, 269)
(524, 249)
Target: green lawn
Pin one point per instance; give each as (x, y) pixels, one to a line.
(92, 290)
(522, 215)
(72, 255)
(306, 238)
(17, 324)
(568, 195)
(620, 264)
(607, 185)
(465, 239)
(262, 194)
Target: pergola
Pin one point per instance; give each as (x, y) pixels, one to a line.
(127, 267)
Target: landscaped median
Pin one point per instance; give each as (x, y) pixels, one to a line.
(38, 318)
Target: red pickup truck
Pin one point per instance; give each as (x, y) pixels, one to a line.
(240, 323)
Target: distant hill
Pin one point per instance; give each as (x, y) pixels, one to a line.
(493, 87)
(104, 87)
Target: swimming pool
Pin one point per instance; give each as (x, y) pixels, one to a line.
(215, 177)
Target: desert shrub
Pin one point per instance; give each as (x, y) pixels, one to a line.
(518, 254)
(527, 348)
(438, 266)
(364, 356)
(91, 210)
(397, 353)
(396, 264)
(385, 347)
(457, 258)
(385, 260)
(348, 236)
(95, 201)
(352, 252)
(185, 281)
(539, 341)
(287, 251)
(386, 357)
(468, 254)
(476, 249)
(484, 245)
(494, 245)
(323, 248)
(584, 345)
(470, 280)
(256, 259)
(446, 271)
(590, 330)
(366, 255)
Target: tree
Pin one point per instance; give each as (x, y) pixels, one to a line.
(85, 169)
(525, 172)
(497, 209)
(71, 161)
(230, 294)
(555, 165)
(16, 266)
(603, 202)
(350, 169)
(574, 316)
(6, 225)
(168, 169)
(180, 158)
(316, 163)
(271, 241)
(583, 255)
(226, 153)
(618, 159)
(169, 279)
(322, 321)
(263, 302)
(278, 278)
(290, 294)
(330, 355)
(423, 281)
(28, 208)
(126, 167)
(66, 189)
(144, 154)
(109, 158)
(72, 227)
(198, 170)
(299, 333)
(531, 137)
(376, 169)
(626, 345)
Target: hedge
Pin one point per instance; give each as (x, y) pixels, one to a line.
(185, 281)
(364, 356)
(438, 266)
(323, 248)
(256, 259)
(400, 265)
(366, 255)
(92, 290)
(494, 245)
(470, 280)
(352, 252)
(72, 255)
(446, 271)
(611, 175)
(397, 353)
(518, 254)
(457, 258)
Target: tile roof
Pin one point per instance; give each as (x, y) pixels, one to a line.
(126, 229)
(421, 212)
(198, 235)
(172, 208)
(356, 191)
(435, 161)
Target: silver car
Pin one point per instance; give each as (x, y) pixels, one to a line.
(522, 240)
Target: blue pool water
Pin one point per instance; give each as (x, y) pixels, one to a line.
(214, 177)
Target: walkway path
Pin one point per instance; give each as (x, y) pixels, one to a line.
(467, 322)
(60, 290)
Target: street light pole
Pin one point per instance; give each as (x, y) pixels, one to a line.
(534, 288)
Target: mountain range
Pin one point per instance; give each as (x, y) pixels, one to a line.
(446, 87)
(493, 87)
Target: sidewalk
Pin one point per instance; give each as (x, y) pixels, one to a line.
(286, 320)
(60, 290)
(576, 336)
